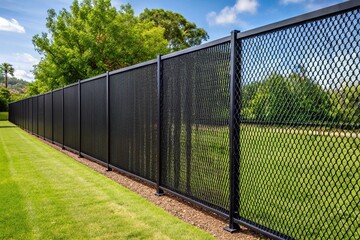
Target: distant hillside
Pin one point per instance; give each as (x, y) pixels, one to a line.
(15, 85)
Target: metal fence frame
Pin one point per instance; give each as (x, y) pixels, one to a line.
(26, 117)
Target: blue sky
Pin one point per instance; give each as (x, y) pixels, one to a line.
(20, 20)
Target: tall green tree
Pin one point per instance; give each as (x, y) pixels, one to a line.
(7, 69)
(179, 32)
(91, 38)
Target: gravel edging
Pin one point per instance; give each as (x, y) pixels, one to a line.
(183, 210)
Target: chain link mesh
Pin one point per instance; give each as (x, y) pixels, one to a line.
(299, 129)
(195, 117)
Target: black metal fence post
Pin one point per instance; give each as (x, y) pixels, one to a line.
(234, 135)
(108, 121)
(63, 123)
(44, 122)
(37, 115)
(159, 192)
(52, 116)
(79, 115)
(32, 115)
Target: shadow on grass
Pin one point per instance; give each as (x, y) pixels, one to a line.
(7, 126)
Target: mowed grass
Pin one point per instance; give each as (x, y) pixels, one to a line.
(301, 183)
(3, 116)
(298, 181)
(47, 195)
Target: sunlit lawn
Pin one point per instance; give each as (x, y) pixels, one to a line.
(299, 181)
(47, 195)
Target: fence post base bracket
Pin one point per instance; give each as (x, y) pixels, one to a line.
(159, 193)
(232, 229)
(109, 169)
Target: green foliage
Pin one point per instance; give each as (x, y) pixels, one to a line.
(4, 99)
(179, 32)
(346, 104)
(92, 38)
(293, 98)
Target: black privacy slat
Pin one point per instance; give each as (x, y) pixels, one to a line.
(93, 118)
(48, 116)
(71, 122)
(133, 121)
(58, 122)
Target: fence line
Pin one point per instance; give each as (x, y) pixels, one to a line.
(230, 125)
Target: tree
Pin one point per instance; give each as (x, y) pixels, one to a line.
(179, 32)
(92, 38)
(346, 104)
(293, 98)
(4, 99)
(7, 68)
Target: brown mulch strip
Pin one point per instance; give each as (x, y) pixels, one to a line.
(185, 211)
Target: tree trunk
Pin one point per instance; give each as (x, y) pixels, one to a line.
(6, 80)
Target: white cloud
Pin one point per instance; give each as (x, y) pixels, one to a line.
(26, 58)
(228, 15)
(246, 6)
(25, 75)
(11, 25)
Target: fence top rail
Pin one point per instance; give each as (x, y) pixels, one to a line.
(139, 65)
(93, 78)
(197, 48)
(311, 16)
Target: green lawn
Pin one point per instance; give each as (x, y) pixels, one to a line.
(3, 116)
(297, 181)
(47, 195)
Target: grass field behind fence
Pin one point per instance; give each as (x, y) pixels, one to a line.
(301, 182)
(47, 195)
(298, 181)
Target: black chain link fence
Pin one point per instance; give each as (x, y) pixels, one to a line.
(299, 129)
(294, 125)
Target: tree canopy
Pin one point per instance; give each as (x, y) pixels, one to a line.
(179, 32)
(94, 37)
